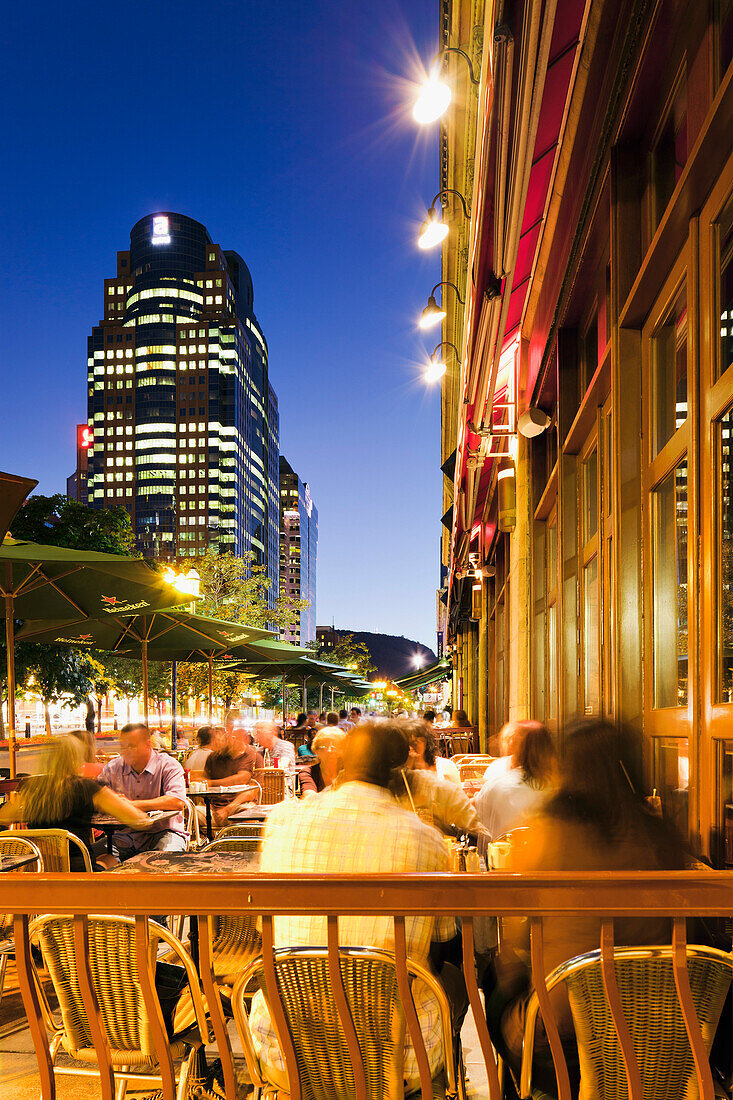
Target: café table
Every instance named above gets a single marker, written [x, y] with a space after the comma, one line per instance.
[211, 793]
[250, 813]
[110, 824]
[187, 863]
[14, 863]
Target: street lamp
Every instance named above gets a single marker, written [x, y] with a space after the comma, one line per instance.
[434, 313]
[436, 368]
[434, 230]
[435, 94]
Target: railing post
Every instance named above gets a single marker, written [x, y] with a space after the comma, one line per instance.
[546, 1010]
[413, 1024]
[32, 1006]
[692, 1024]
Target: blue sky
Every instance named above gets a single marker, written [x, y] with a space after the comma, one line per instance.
[285, 128]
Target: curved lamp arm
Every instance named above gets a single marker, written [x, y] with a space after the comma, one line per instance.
[448, 191]
[440, 56]
[446, 344]
[447, 283]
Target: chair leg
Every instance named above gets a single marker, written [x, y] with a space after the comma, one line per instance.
[121, 1087]
[3, 969]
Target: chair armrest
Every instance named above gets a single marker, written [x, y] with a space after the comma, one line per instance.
[74, 840]
[241, 1019]
[179, 951]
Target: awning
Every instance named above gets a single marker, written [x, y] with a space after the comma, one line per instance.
[441, 670]
[449, 466]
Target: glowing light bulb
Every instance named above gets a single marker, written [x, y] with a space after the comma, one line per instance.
[432, 314]
[435, 369]
[433, 99]
[432, 232]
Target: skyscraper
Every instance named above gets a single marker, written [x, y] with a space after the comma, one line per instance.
[184, 419]
[298, 551]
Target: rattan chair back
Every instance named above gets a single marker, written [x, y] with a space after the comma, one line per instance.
[55, 846]
[15, 844]
[646, 985]
[272, 782]
[460, 742]
[191, 824]
[324, 1066]
[116, 983]
[253, 831]
[249, 843]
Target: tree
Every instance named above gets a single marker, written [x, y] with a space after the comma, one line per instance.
[349, 653]
[60, 521]
[238, 589]
[58, 674]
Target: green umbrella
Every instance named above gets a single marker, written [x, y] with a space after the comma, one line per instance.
[54, 583]
[13, 491]
[163, 635]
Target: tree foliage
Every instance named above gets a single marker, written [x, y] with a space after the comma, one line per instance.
[238, 589]
[60, 521]
[349, 653]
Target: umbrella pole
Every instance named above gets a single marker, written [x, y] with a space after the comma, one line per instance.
[174, 693]
[331, 698]
[211, 689]
[305, 696]
[10, 651]
[285, 716]
[145, 679]
[320, 700]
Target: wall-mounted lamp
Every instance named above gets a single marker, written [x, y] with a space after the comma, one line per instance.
[434, 313]
[533, 421]
[436, 368]
[434, 230]
[507, 491]
[435, 95]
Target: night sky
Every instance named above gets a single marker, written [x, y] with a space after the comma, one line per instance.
[285, 128]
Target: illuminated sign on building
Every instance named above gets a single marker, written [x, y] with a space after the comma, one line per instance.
[160, 230]
[85, 436]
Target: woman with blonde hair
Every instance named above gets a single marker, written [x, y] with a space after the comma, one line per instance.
[60, 798]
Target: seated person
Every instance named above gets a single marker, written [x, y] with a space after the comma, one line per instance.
[278, 749]
[436, 800]
[509, 796]
[60, 798]
[424, 754]
[359, 827]
[328, 746]
[231, 764]
[153, 781]
[204, 745]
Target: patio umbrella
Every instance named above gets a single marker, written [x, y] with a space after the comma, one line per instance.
[13, 491]
[169, 635]
[54, 583]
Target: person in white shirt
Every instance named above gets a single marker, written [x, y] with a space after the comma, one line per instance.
[424, 754]
[279, 750]
[509, 797]
[196, 760]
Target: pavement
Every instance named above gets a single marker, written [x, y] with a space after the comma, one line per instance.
[19, 1078]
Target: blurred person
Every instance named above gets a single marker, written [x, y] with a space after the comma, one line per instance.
[429, 716]
[231, 764]
[332, 718]
[60, 798]
[344, 722]
[328, 746]
[355, 716]
[460, 721]
[438, 799]
[277, 748]
[510, 795]
[322, 718]
[424, 754]
[87, 745]
[359, 827]
[594, 821]
[204, 746]
[153, 781]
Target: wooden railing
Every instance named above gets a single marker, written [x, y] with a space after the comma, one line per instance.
[676, 895]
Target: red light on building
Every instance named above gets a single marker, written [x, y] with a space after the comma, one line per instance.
[84, 436]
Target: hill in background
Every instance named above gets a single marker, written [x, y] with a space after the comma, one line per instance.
[393, 656]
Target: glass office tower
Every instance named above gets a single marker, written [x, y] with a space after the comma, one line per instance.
[298, 551]
[184, 420]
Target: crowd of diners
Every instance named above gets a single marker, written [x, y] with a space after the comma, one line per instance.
[376, 796]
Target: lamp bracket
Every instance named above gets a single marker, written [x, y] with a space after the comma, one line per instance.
[440, 56]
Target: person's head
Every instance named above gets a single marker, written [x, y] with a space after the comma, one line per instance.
[48, 797]
[87, 745]
[460, 718]
[266, 734]
[423, 743]
[233, 718]
[311, 719]
[204, 738]
[342, 715]
[301, 719]
[373, 750]
[429, 716]
[355, 714]
[135, 746]
[328, 745]
[332, 718]
[533, 752]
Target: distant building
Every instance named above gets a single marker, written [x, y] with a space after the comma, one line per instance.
[298, 551]
[184, 420]
[76, 484]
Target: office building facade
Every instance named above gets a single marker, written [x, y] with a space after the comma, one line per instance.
[298, 551]
[183, 417]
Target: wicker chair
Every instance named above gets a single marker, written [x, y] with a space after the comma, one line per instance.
[469, 770]
[272, 784]
[235, 841]
[13, 844]
[472, 758]
[113, 965]
[459, 741]
[646, 985]
[254, 831]
[324, 1066]
[191, 825]
[55, 847]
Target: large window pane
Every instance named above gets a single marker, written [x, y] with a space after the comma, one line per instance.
[592, 694]
[670, 590]
[725, 600]
[552, 662]
[669, 372]
[590, 496]
[725, 289]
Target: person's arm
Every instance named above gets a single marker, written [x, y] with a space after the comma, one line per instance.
[107, 801]
[232, 780]
[307, 782]
[12, 811]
